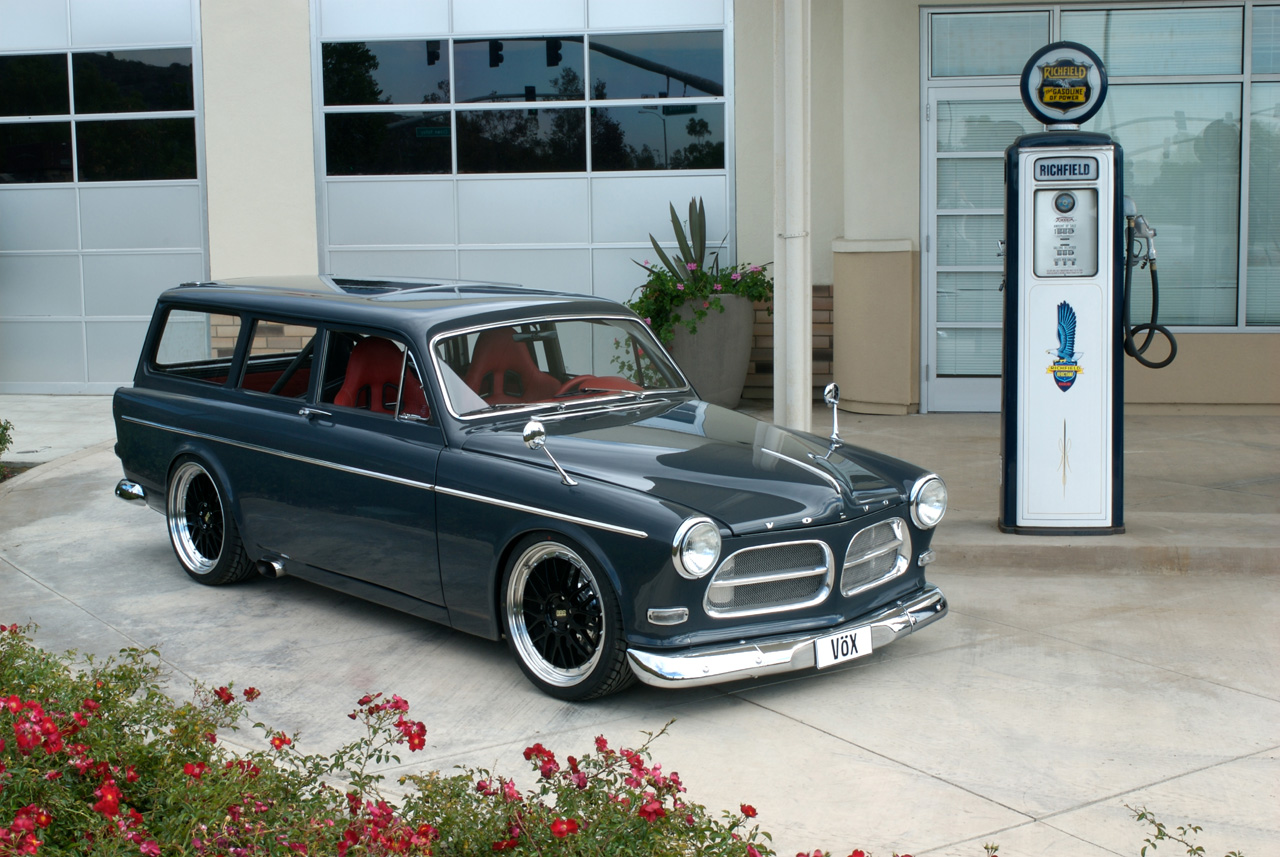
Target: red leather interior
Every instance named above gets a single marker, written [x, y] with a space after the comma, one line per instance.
[373, 380]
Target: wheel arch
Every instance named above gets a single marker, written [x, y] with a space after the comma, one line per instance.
[204, 453]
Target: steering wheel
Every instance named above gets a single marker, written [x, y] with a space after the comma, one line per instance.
[573, 384]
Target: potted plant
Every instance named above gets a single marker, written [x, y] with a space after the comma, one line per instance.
[702, 312]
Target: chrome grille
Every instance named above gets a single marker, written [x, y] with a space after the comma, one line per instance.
[876, 554]
[770, 578]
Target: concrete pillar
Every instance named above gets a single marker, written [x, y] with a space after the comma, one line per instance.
[793, 274]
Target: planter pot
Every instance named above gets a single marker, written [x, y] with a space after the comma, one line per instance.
[716, 358]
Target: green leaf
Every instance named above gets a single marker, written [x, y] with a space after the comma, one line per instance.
[681, 238]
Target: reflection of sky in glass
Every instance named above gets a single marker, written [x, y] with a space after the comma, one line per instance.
[524, 64]
[403, 73]
[1266, 40]
[699, 54]
[642, 130]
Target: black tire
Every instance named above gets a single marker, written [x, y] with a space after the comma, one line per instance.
[563, 621]
[203, 533]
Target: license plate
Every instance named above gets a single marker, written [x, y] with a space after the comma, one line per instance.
[845, 646]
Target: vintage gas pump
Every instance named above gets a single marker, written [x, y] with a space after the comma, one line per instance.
[1062, 433]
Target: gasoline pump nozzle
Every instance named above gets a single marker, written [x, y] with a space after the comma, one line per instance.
[1137, 229]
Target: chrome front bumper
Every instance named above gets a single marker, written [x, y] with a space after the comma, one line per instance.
[779, 654]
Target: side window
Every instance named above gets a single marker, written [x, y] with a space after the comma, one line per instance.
[373, 373]
[197, 345]
[281, 354]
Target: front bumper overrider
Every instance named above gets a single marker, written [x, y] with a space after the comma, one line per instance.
[780, 653]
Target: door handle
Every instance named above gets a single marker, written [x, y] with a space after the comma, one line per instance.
[313, 412]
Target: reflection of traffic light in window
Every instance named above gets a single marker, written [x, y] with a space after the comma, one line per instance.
[433, 52]
[495, 53]
[553, 52]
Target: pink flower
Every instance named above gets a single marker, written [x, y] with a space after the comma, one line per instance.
[648, 323]
[717, 287]
[679, 287]
[692, 266]
[735, 276]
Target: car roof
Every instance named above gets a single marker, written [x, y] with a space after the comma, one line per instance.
[413, 305]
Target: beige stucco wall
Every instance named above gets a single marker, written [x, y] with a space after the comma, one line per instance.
[753, 131]
[260, 159]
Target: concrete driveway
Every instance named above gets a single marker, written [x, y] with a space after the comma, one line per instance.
[1046, 700]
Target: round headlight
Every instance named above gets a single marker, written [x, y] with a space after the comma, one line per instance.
[928, 501]
[696, 549]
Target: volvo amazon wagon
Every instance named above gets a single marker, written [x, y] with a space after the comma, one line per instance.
[521, 464]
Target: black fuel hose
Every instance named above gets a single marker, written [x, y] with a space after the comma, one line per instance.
[1131, 347]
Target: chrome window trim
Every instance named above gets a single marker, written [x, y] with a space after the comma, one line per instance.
[822, 594]
[903, 550]
[463, 331]
[386, 477]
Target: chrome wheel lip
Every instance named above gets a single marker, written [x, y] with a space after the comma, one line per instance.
[519, 630]
[179, 528]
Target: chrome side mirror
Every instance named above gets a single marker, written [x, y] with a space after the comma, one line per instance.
[535, 437]
[831, 395]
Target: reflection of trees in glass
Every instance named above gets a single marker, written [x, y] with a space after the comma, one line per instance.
[348, 69]
[34, 85]
[514, 141]
[107, 83]
[701, 154]
[137, 150]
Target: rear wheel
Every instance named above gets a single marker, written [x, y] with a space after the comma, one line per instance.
[563, 621]
[202, 531]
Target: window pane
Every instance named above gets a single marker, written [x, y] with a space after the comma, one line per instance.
[547, 69]
[137, 150]
[969, 297]
[133, 81]
[1161, 41]
[35, 152]
[675, 136]
[1182, 169]
[281, 355]
[982, 126]
[657, 65]
[985, 43]
[34, 85]
[969, 239]
[197, 345]
[386, 72]
[1263, 301]
[1266, 40]
[370, 144]
[969, 352]
[522, 141]
[970, 183]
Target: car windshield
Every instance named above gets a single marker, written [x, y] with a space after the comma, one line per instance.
[550, 362]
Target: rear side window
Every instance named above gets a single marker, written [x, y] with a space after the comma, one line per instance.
[373, 373]
[198, 345]
[281, 354]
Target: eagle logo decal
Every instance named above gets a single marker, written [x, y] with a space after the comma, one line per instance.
[1065, 366]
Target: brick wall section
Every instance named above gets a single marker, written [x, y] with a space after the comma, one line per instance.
[759, 384]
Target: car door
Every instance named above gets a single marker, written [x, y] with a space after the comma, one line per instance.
[348, 485]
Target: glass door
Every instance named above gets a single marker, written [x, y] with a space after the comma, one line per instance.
[968, 129]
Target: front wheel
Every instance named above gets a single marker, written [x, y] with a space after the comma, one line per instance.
[563, 621]
[202, 531]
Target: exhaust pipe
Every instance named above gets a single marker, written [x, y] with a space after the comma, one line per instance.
[270, 567]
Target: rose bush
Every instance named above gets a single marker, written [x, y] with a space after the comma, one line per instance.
[97, 759]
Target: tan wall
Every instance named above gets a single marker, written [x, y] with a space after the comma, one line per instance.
[876, 312]
[260, 157]
[1212, 370]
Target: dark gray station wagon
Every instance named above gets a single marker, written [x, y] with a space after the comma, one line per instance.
[516, 463]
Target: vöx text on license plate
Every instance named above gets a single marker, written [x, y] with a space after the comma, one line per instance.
[845, 646]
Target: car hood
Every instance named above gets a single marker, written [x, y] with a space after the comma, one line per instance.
[750, 475]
